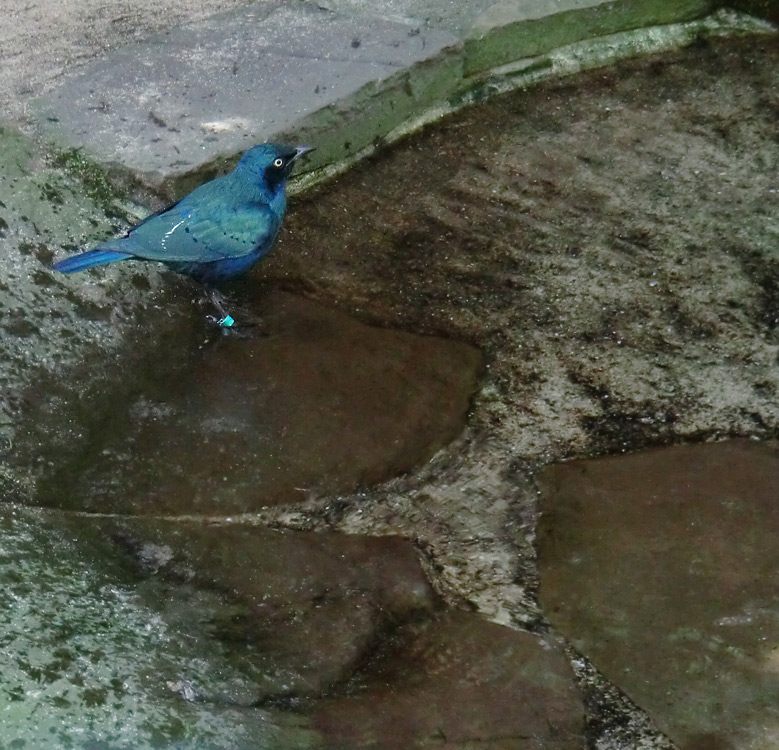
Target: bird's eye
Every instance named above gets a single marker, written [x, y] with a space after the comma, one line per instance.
[278, 163]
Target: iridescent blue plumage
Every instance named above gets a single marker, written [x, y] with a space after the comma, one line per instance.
[218, 231]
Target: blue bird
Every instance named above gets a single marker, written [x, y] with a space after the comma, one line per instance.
[218, 231]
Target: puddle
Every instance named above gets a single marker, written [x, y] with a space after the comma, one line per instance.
[310, 402]
[661, 567]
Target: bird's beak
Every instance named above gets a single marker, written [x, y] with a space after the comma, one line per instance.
[300, 150]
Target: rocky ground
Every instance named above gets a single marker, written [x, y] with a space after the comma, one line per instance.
[607, 242]
[610, 243]
[41, 43]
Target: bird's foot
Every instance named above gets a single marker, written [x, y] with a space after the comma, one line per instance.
[228, 326]
[218, 300]
[226, 321]
[223, 319]
[241, 331]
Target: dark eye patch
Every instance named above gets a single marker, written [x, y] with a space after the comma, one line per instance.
[274, 175]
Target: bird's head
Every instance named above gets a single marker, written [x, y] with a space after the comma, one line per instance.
[271, 163]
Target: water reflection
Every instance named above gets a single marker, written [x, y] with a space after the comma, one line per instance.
[311, 401]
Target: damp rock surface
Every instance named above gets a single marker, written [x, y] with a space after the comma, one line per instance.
[347, 632]
[62, 339]
[661, 567]
[309, 402]
[85, 663]
[458, 681]
[608, 242]
[300, 611]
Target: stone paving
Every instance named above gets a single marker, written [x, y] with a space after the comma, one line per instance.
[660, 567]
[160, 96]
[173, 108]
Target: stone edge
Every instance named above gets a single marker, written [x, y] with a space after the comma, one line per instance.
[501, 53]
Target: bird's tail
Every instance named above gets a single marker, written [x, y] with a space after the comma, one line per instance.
[89, 259]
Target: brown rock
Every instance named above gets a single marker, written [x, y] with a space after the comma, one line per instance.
[662, 568]
[311, 402]
[307, 606]
[459, 682]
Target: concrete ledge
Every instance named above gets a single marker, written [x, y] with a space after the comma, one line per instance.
[175, 110]
[510, 30]
[188, 101]
[558, 63]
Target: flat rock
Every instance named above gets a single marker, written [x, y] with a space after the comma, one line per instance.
[459, 682]
[50, 206]
[183, 102]
[85, 663]
[608, 240]
[350, 624]
[299, 611]
[309, 403]
[661, 568]
[455, 18]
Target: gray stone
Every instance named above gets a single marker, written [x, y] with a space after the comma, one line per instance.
[299, 612]
[41, 44]
[511, 30]
[453, 16]
[51, 204]
[186, 101]
[661, 568]
[85, 663]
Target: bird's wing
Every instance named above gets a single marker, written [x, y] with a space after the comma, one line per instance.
[202, 232]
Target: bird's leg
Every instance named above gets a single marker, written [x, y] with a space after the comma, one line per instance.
[225, 320]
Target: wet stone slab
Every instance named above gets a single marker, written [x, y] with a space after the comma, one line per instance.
[458, 681]
[310, 402]
[51, 204]
[297, 611]
[346, 631]
[662, 568]
[85, 663]
[140, 633]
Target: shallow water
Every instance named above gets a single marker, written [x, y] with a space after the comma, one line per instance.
[308, 402]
